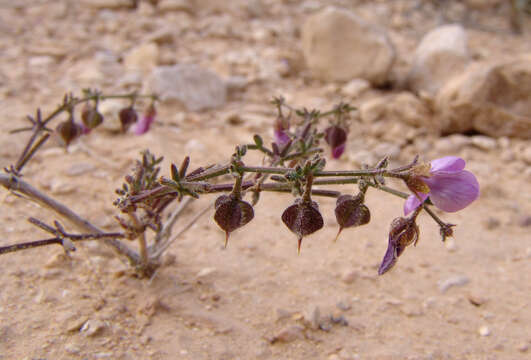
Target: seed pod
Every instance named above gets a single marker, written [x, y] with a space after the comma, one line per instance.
[303, 218]
[68, 131]
[403, 232]
[350, 211]
[232, 213]
[128, 117]
[91, 117]
[336, 137]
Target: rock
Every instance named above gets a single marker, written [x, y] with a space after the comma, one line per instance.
[484, 142]
[339, 46]
[288, 334]
[175, 5]
[41, 61]
[143, 57]
[312, 317]
[355, 88]
[441, 54]
[203, 273]
[72, 349]
[458, 280]
[452, 144]
[196, 88]
[349, 276]
[92, 328]
[373, 110]
[409, 109]
[492, 99]
[484, 330]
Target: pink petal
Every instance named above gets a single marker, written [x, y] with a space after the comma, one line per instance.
[389, 259]
[281, 138]
[453, 192]
[143, 125]
[337, 151]
[448, 164]
[413, 202]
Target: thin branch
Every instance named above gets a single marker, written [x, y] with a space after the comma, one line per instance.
[168, 226]
[17, 185]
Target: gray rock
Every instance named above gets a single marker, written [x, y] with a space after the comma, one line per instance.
[339, 46]
[196, 88]
[491, 98]
[441, 54]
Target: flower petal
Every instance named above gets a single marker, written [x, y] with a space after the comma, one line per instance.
[453, 192]
[337, 151]
[413, 202]
[389, 259]
[143, 125]
[448, 164]
[280, 137]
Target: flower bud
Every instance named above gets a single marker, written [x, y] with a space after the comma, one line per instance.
[68, 131]
[402, 233]
[144, 124]
[91, 117]
[336, 137]
[350, 212]
[303, 218]
[232, 213]
[128, 117]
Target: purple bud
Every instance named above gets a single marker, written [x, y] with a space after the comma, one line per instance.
[350, 212]
[91, 117]
[402, 233]
[303, 218]
[128, 117]
[336, 137]
[143, 125]
[232, 213]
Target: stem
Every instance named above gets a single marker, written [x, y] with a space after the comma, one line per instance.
[141, 239]
[16, 184]
[29, 245]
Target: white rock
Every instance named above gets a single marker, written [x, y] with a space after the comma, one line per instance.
[355, 88]
[442, 53]
[458, 280]
[492, 99]
[484, 330]
[196, 88]
[339, 46]
[205, 272]
[143, 57]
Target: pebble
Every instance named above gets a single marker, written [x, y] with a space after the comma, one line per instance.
[72, 349]
[203, 273]
[523, 347]
[458, 280]
[288, 334]
[484, 142]
[92, 328]
[349, 276]
[484, 330]
[312, 317]
[355, 88]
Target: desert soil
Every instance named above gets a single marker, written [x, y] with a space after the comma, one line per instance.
[256, 299]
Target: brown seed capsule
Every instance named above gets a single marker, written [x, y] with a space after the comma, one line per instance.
[336, 137]
[128, 117]
[303, 218]
[68, 131]
[350, 211]
[91, 117]
[232, 213]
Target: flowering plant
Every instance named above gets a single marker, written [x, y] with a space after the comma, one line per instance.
[294, 164]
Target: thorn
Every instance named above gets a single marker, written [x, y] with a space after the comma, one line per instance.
[226, 239]
[299, 246]
[339, 232]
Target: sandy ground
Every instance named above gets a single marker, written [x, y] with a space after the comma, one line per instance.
[256, 299]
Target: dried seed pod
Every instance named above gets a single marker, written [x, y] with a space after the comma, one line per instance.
[336, 137]
[68, 131]
[232, 213]
[350, 211]
[91, 117]
[128, 117]
[303, 218]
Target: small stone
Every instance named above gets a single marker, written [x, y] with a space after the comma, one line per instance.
[79, 168]
[523, 347]
[203, 273]
[450, 245]
[72, 349]
[476, 300]
[484, 142]
[288, 334]
[41, 61]
[458, 280]
[92, 328]
[349, 276]
[142, 57]
[484, 330]
[312, 317]
[354, 88]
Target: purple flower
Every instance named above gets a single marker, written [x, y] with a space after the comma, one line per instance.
[143, 125]
[336, 137]
[280, 132]
[451, 188]
[403, 232]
